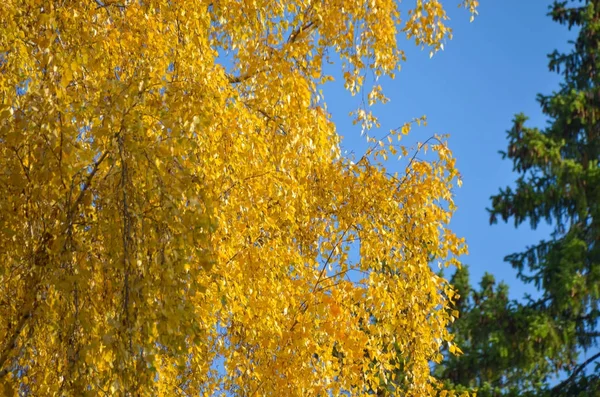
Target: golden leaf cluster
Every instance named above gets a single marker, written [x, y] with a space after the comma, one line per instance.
[176, 217]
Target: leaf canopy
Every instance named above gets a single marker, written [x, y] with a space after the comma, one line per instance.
[176, 216]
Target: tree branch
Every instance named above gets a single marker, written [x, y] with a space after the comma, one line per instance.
[580, 368]
[12, 340]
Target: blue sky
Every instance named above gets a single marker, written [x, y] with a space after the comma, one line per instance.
[492, 69]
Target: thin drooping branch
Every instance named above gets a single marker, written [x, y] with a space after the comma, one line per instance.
[126, 235]
[88, 181]
[293, 37]
[11, 342]
[25, 317]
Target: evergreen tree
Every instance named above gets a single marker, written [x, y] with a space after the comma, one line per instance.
[512, 348]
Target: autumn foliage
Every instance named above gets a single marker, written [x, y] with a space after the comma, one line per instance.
[176, 216]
